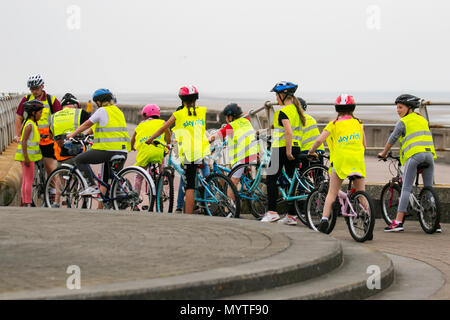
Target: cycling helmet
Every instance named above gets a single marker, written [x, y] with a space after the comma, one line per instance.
[285, 87]
[188, 93]
[35, 81]
[303, 103]
[345, 103]
[69, 99]
[102, 95]
[233, 109]
[32, 106]
[408, 100]
[151, 110]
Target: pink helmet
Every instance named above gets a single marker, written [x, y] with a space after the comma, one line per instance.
[151, 110]
[188, 91]
[345, 103]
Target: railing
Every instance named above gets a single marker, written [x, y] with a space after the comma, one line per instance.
[8, 107]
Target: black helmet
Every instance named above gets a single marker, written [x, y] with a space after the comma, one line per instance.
[32, 106]
[285, 87]
[303, 103]
[69, 99]
[408, 100]
[232, 109]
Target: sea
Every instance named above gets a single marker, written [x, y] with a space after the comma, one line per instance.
[438, 114]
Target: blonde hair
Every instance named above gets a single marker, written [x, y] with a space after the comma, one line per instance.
[297, 105]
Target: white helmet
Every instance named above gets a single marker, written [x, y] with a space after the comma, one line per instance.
[35, 81]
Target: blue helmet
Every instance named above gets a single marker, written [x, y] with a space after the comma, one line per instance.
[102, 95]
[285, 87]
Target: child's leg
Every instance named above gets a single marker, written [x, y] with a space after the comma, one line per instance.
[138, 181]
[360, 184]
[190, 171]
[27, 183]
[335, 185]
[180, 198]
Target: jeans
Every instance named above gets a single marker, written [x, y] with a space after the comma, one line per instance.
[180, 198]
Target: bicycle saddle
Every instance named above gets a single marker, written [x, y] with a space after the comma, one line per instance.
[354, 176]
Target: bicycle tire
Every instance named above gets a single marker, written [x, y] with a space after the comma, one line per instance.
[364, 219]
[425, 205]
[257, 207]
[68, 198]
[37, 196]
[222, 192]
[389, 202]
[134, 198]
[165, 178]
[314, 209]
[309, 179]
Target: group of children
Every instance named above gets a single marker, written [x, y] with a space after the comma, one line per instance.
[294, 132]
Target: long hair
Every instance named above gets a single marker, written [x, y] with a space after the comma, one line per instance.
[297, 105]
[189, 103]
[345, 113]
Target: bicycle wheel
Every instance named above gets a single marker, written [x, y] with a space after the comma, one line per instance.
[390, 199]
[311, 178]
[165, 192]
[314, 209]
[62, 190]
[361, 226]
[132, 190]
[430, 214]
[38, 184]
[258, 205]
[222, 198]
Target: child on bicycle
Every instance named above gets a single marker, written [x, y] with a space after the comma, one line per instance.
[347, 142]
[242, 144]
[286, 145]
[190, 132]
[416, 147]
[148, 154]
[28, 150]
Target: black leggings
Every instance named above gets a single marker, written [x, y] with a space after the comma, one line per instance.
[278, 160]
[93, 156]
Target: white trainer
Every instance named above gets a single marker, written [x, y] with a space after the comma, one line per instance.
[270, 216]
[90, 191]
[289, 220]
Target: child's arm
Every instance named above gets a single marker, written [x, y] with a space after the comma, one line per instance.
[321, 139]
[26, 136]
[86, 125]
[288, 137]
[165, 126]
[168, 136]
[133, 141]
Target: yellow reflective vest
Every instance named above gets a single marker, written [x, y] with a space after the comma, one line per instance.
[113, 136]
[278, 139]
[310, 134]
[346, 147]
[33, 149]
[190, 132]
[243, 143]
[44, 121]
[148, 153]
[66, 120]
[417, 138]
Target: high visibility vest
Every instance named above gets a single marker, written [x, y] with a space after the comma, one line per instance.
[418, 137]
[33, 149]
[243, 143]
[148, 153]
[113, 136]
[190, 132]
[278, 139]
[66, 120]
[310, 134]
[44, 122]
[346, 147]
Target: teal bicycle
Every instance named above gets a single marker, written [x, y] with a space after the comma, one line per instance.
[253, 188]
[215, 194]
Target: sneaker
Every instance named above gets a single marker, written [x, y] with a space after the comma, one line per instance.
[323, 226]
[55, 205]
[270, 216]
[394, 227]
[179, 210]
[289, 220]
[439, 230]
[90, 191]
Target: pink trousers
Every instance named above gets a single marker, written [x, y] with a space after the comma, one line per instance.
[27, 182]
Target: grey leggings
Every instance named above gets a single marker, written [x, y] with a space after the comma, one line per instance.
[409, 176]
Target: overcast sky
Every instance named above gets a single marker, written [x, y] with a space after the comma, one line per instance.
[226, 46]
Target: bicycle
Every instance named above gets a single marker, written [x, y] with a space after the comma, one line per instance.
[356, 207]
[253, 183]
[424, 203]
[164, 181]
[38, 184]
[212, 193]
[124, 192]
